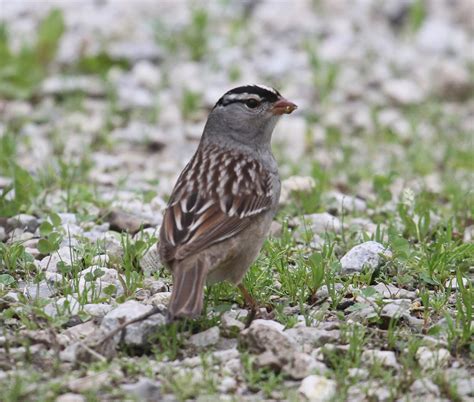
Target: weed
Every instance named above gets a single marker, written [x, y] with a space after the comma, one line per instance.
[21, 72]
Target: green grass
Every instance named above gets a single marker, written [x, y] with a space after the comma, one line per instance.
[21, 72]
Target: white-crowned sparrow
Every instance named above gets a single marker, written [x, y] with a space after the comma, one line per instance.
[223, 203]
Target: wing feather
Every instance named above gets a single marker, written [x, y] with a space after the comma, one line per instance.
[209, 205]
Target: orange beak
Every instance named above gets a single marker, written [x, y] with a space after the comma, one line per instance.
[282, 106]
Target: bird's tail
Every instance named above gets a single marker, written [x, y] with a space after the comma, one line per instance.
[188, 289]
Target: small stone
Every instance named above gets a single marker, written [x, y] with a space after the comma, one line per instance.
[100, 259]
[135, 334]
[403, 92]
[67, 218]
[276, 229]
[70, 397]
[313, 336]
[205, 339]
[436, 35]
[341, 203]
[144, 389]
[468, 236]
[11, 297]
[64, 305]
[26, 222]
[134, 51]
[60, 85]
[159, 299]
[97, 281]
[98, 310]
[396, 309]
[42, 290]
[155, 286]
[366, 255]
[428, 359]
[358, 373]
[146, 74]
[384, 358]
[126, 221]
[90, 382]
[18, 235]
[392, 292]
[424, 387]
[230, 326]
[316, 388]
[79, 332]
[265, 335]
[227, 385]
[3, 234]
[453, 283]
[64, 255]
[321, 223]
[295, 184]
[452, 81]
[302, 365]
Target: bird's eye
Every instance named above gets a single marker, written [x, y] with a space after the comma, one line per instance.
[252, 103]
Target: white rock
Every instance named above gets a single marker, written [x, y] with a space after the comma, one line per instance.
[390, 291]
[89, 382]
[205, 339]
[50, 262]
[135, 334]
[428, 359]
[424, 386]
[41, 290]
[263, 335]
[436, 35]
[468, 236]
[292, 134]
[134, 51]
[403, 92]
[159, 299]
[384, 358]
[144, 389]
[227, 385]
[344, 203]
[59, 85]
[302, 365]
[97, 310]
[64, 305]
[451, 80]
[230, 326]
[453, 283]
[70, 397]
[3, 234]
[396, 309]
[321, 223]
[100, 259]
[26, 222]
[369, 254]
[104, 277]
[67, 218]
[297, 184]
[146, 74]
[313, 336]
[316, 388]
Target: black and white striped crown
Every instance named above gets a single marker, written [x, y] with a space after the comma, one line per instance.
[260, 93]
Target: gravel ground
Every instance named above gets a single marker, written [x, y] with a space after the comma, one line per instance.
[365, 286]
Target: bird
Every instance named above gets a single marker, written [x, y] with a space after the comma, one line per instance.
[222, 205]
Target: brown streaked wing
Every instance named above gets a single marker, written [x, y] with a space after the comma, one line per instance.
[210, 207]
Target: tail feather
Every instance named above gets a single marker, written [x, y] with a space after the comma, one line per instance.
[188, 289]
